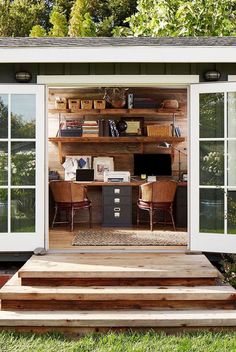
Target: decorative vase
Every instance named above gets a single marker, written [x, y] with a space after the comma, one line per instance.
[118, 103]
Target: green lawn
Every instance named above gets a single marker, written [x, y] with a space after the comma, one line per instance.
[111, 342]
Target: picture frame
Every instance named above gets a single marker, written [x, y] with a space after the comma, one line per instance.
[101, 164]
[134, 126]
[74, 162]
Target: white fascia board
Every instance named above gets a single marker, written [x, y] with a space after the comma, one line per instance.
[232, 78]
[117, 80]
[118, 54]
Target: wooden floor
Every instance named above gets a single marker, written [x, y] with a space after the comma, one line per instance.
[60, 238]
[85, 292]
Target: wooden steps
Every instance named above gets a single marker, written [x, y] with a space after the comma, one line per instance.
[82, 291]
[118, 319]
[133, 268]
[17, 297]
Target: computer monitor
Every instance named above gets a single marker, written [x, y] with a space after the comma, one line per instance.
[152, 164]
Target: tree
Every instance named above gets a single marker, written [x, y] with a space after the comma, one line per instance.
[5, 18]
[181, 18]
[65, 6]
[110, 13]
[38, 31]
[59, 23]
[81, 23]
[23, 15]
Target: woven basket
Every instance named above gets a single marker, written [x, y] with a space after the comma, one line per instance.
[74, 104]
[159, 130]
[86, 104]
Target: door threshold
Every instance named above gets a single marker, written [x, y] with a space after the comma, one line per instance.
[124, 249]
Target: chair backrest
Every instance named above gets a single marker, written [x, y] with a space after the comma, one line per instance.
[159, 191]
[67, 192]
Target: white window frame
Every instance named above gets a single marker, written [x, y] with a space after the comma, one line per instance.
[208, 242]
[17, 242]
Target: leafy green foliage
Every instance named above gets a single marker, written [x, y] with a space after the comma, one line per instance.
[81, 23]
[181, 18]
[38, 31]
[229, 267]
[59, 23]
[19, 16]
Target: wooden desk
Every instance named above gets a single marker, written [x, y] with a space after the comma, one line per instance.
[120, 184]
[95, 194]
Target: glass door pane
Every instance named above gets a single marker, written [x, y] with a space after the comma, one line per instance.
[213, 167]
[21, 167]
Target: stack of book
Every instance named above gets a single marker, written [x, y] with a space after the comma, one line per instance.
[90, 129]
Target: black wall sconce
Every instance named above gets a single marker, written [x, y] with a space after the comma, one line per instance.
[23, 76]
[212, 75]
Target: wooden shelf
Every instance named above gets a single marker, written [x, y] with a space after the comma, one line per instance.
[123, 112]
[133, 139]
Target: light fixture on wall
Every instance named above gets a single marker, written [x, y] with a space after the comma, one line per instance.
[168, 145]
[212, 75]
[23, 76]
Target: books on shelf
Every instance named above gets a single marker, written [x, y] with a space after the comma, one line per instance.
[108, 128]
[177, 131]
[90, 129]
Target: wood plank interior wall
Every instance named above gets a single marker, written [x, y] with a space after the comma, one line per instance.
[122, 153]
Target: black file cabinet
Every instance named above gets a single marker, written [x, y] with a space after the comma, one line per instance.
[181, 207]
[117, 206]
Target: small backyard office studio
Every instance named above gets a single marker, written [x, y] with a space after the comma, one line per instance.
[41, 78]
[126, 124]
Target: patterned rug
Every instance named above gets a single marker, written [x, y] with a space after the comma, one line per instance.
[124, 237]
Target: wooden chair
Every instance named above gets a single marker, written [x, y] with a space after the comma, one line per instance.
[157, 196]
[69, 197]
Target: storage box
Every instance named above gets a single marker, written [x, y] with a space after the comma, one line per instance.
[159, 130]
[74, 132]
[86, 104]
[74, 104]
[60, 103]
[99, 104]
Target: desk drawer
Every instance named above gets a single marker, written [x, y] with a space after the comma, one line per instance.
[118, 190]
[117, 216]
[117, 200]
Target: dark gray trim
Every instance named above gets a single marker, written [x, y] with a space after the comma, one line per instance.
[113, 42]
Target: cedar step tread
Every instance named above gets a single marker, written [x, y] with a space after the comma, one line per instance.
[112, 293]
[124, 265]
[115, 318]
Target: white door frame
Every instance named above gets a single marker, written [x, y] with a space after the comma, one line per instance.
[209, 242]
[23, 242]
[164, 81]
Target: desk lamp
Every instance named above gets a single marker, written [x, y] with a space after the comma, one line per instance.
[168, 145]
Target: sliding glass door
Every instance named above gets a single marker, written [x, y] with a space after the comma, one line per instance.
[21, 167]
[213, 167]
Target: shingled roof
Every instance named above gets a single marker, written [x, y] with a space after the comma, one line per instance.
[114, 42]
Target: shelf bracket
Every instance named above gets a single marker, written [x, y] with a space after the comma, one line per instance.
[59, 144]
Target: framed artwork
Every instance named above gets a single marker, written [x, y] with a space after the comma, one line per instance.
[101, 164]
[72, 163]
[134, 126]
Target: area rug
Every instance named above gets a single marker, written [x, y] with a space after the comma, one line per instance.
[124, 237]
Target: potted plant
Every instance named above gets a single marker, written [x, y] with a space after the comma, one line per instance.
[116, 96]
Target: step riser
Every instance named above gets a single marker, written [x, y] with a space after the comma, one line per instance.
[41, 305]
[79, 332]
[56, 282]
